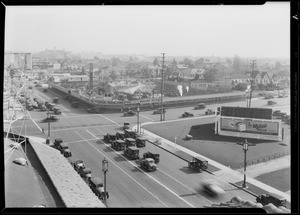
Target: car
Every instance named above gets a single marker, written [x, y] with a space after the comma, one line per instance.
[209, 112]
[212, 188]
[129, 113]
[187, 114]
[200, 106]
[158, 111]
[271, 103]
[22, 161]
[51, 118]
[97, 187]
[148, 164]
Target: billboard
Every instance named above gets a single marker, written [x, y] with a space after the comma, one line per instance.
[249, 128]
[249, 125]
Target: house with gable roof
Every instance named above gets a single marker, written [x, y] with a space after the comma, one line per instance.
[265, 79]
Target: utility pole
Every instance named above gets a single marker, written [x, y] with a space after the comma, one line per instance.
[138, 117]
[162, 116]
[91, 76]
[253, 62]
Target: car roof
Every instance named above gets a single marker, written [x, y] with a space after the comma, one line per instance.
[87, 169]
[120, 141]
[150, 159]
[79, 161]
[96, 180]
[64, 144]
[133, 148]
[130, 139]
[141, 138]
[121, 132]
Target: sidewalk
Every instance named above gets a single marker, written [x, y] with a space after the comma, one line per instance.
[225, 173]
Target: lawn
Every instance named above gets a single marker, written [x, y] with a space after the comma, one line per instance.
[222, 149]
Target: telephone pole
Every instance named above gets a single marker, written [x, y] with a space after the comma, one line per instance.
[253, 62]
[162, 115]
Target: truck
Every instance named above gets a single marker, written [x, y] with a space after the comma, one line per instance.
[140, 142]
[132, 153]
[154, 156]
[118, 145]
[126, 125]
[198, 164]
[148, 164]
[273, 198]
[109, 138]
[130, 133]
[120, 135]
[130, 142]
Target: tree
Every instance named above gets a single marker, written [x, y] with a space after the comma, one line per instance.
[187, 62]
[236, 64]
[155, 62]
[115, 61]
[210, 75]
[174, 63]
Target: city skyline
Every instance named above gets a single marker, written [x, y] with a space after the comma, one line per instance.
[223, 31]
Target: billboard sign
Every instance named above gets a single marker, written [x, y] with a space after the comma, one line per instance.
[255, 126]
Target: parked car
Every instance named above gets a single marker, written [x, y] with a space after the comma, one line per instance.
[120, 135]
[109, 138]
[198, 164]
[271, 103]
[126, 125]
[96, 185]
[21, 161]
[130, 142]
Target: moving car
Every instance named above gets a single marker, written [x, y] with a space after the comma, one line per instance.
[148, 164]
[154, 156]
[187, 114]
[212, 188]
[158, 111]
[129, 113]
[200, 106]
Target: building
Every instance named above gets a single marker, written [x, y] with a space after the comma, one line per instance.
[265, 79]
[192, 74]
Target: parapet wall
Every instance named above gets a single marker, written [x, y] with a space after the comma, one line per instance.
[70, 187]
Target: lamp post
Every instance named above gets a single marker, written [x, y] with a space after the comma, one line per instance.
[104, 170]
[245, 148]
[48, 138]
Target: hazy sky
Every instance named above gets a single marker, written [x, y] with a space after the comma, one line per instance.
[260, 31]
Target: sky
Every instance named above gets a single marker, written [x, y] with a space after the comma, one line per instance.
[225, 31]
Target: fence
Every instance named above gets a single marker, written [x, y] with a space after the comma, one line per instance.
[264, 159]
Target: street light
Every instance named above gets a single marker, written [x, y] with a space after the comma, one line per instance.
[48, 117]
[138, 117]
[104, 170]
[245, 148]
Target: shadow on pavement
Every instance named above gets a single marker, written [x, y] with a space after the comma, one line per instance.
[119, 159]
[188, 171]
[107, 149]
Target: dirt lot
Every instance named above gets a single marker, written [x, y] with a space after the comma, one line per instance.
[222, 149]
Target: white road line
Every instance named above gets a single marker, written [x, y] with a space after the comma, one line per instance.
[146, 173]
[100, 131]
[78, 141]
[35, 124]
[147, 117]
[109, 119]
[122, 170]
[79, 127]
[183, 184]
